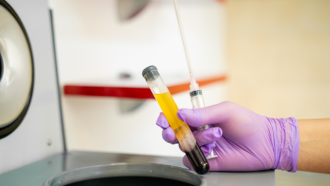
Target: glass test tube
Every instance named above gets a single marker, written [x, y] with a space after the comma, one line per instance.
[181, 129]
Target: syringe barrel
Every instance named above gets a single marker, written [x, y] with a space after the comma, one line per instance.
[197, 101]
[182, 131]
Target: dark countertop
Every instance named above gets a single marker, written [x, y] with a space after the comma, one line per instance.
[37, 173]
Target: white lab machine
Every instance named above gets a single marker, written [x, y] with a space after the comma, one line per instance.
[30, 116]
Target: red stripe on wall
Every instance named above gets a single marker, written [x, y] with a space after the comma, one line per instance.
[130, 92]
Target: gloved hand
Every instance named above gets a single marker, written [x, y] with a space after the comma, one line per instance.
[244, 140]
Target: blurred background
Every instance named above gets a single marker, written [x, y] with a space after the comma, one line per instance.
[275, 55]
[278, 56]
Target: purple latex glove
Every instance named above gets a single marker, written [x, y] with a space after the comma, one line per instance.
[244, 140]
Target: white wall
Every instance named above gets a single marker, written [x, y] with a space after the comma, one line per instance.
[93, 47]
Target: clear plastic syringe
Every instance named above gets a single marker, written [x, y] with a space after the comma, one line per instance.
[196, 94]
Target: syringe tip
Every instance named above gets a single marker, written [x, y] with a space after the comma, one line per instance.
[193, 84]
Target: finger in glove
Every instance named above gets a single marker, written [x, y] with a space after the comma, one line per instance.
[169, 136]
[162, 121]
[207, 136]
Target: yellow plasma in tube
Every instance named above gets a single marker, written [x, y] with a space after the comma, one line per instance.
[180, 128]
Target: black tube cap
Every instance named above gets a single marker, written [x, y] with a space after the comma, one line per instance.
[148, 69]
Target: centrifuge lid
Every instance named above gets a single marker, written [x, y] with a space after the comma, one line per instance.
[16, 70]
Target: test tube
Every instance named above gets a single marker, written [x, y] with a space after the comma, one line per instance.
[182, 131]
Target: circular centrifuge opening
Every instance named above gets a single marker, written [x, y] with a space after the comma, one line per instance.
[1, 67]
[16, 70]
[130, 181]
[127, 174]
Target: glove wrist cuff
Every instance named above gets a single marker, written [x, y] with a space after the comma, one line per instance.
[286, 143]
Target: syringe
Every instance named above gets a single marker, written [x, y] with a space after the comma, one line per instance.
[196, 95]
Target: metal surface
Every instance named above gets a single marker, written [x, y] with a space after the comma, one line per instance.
[36, 174]
[27, 143]
[146, 170]
[204, 127]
